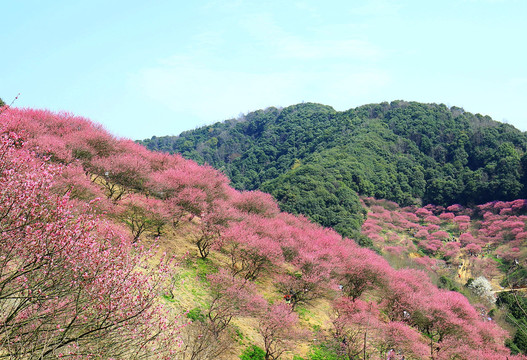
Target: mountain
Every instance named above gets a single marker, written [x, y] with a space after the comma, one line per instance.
[109, 250]
[315, 160]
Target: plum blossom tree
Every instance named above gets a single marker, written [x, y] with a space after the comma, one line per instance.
[120, 173]
[441, 235]
[466, 238]
[230, 296]
[249, 253]
[431, 246]
[404, 339]
[421, 234]
[305, 285]
[69, 282]
[73, 181]
[455, 208]
[209, 336]
[360, 269]
[404, 295]
[423, 213]
[187, 188]
[53, 147]
[143, 215]
[184, 174]
[452, 326]
[211, 227]
[447, 216]
[354, 327]
[451, 250]
[473, 249]
[432, 219]
[462, 221]
[278, 327]
[255, 202]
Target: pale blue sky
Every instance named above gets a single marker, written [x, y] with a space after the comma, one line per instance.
[144, 68]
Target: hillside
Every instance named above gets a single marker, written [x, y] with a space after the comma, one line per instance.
[480, 252]
[315, 160]
[112, 251]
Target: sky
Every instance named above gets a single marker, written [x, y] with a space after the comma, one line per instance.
[144, 68]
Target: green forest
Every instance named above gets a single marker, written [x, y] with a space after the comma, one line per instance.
[316, 161]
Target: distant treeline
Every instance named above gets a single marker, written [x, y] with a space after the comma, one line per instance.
[315, 160]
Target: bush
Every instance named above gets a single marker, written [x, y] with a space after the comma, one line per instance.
[195, 314]
[323, 352]
[253, 352]
[446, 283]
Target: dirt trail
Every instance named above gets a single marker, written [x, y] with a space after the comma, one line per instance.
[507, 290]
[463, 271]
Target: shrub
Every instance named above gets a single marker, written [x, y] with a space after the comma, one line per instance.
[253, 352]
[323, 352]
[195, 314]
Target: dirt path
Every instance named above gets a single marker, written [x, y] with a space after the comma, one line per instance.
[507, 290]
[463, 272]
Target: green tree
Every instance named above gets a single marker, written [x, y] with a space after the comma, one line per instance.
[313, 158]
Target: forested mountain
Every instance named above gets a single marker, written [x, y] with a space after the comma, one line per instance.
[315, 160]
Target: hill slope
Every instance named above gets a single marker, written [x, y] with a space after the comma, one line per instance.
[250, 275]
[314, 160]
[480, 252]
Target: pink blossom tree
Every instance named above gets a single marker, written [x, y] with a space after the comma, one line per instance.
[466, 238]
[249, 253]
[73, 181]
[423, 213]
[305, 285]
[211, 226]
[230, 297]
[360, 269]
[120, 173]
[473, 249]
[184, 174]
[354, 328]
[447, 216]
[255, 202]
[143, 215]
[67, 278]
[278, 327]
[405, 339]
